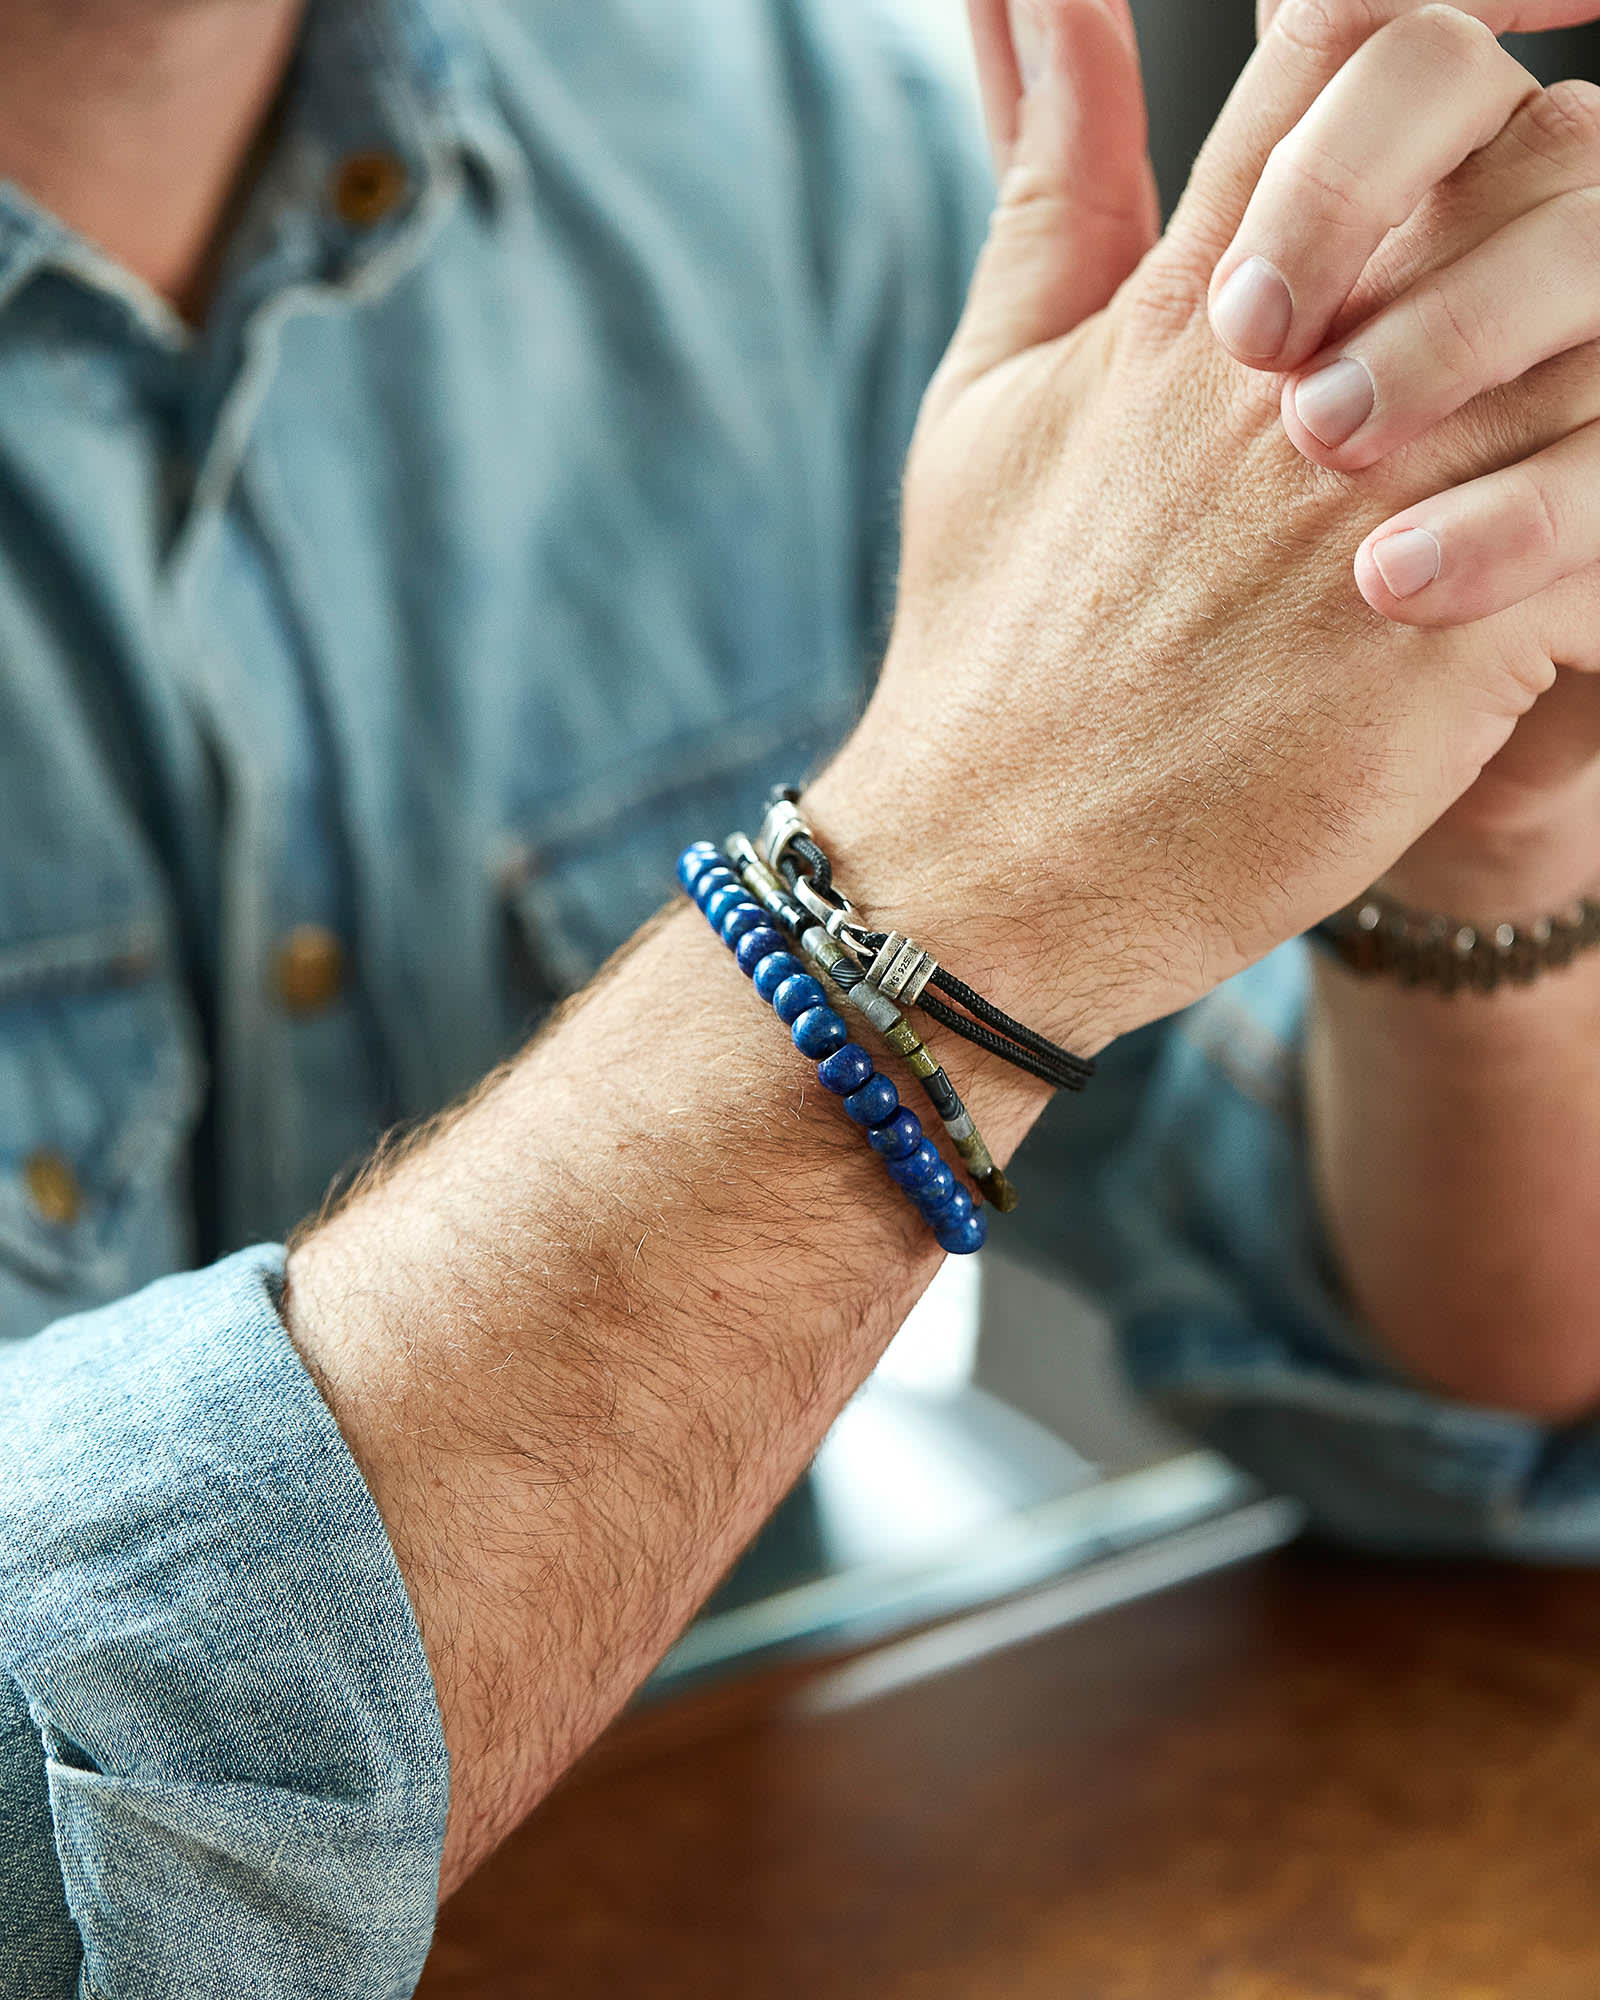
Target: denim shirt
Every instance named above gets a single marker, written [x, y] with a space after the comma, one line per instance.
[525, 509]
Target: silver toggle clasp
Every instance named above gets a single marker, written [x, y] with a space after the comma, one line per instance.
[837, 915]
[783, 824]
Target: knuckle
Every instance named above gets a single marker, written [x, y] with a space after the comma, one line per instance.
[1316, 26]
[1579, 211]
[1563, 122]
[1330, 28]
[1446, 35]
[1455, 335]
[1169, 293]
[1533, 524]
[1333, 187]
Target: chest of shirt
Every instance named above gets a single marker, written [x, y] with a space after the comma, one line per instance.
[519, 578]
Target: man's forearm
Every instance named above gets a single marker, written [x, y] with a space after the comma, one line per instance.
[583, 1339]
[1457, 1147]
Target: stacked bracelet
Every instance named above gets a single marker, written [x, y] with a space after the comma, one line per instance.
[901, 1039]
[898, 967]
[800, 1001]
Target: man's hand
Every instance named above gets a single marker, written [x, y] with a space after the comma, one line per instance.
[1432, 218]
[1479, 211]
[1129, 648]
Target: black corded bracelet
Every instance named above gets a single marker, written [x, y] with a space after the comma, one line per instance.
[896, 966]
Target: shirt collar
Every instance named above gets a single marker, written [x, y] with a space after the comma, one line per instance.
[401, 82]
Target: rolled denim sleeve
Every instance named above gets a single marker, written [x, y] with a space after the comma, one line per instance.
[216, 1715]
[1183, 1199]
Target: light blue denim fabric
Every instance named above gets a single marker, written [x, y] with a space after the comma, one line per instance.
[472, 563]
[246, 1771]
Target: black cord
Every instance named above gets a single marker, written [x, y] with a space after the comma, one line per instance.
[1074, 1071]
[817, 865]
[1063, 1072]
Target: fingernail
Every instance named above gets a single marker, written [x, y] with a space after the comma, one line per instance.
[1027, 38]
[1253, 310]
[1407, 562]
[1334, 403]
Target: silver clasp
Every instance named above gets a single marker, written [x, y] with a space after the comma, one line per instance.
[783, 823]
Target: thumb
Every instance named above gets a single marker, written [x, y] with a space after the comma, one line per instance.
[1077, 207]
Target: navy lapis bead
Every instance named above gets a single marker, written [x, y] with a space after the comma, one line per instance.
[934, 1193]
[944, 1215]
[897, 1139]
[756, 945]
[962, 1239]
[694, 861]
[914, 1172]
[875, 1103]
[798, 996]
[709, 882]
[729, 897]
[742, 918]
[819, 1032]
[846, 1070]
[770, 974]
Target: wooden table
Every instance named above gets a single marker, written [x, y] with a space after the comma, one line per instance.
[1312, 1778]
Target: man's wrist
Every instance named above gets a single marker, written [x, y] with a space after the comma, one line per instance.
[968, 890]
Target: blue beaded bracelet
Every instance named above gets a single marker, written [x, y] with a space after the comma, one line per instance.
[844, 1069]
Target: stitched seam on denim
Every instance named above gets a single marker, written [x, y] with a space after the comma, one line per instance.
[8, 1668]
[145, 1126]
[120, 954]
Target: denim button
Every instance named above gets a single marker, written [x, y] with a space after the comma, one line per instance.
[53, 1189]
[367, 187]
[308, 970]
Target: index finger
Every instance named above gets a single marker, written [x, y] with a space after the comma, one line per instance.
[1413, 102]
[1304, 47]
